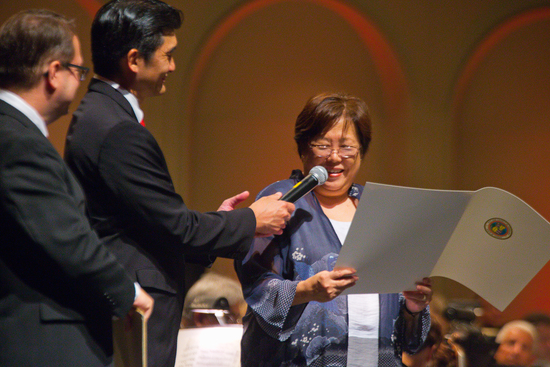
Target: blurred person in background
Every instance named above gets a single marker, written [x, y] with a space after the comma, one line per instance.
[424, 357]
[517, 340]
[214, 300]
[211, 330]
[541, 321]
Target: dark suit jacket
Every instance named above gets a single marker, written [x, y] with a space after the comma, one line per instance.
[58, 284]
[133, 206]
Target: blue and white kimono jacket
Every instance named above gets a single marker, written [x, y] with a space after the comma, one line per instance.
[312, 334]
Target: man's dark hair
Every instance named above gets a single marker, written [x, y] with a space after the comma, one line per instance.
[122, 25]
[29, 40]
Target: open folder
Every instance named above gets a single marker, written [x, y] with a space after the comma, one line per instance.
[488, 240]
[130, 341]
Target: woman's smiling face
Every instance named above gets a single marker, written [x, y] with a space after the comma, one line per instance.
[341, 171]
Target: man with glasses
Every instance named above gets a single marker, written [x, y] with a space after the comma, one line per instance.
[59, 287]
[132, 201]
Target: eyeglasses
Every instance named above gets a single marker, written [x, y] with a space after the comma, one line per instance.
[324, 151]
[81, 72]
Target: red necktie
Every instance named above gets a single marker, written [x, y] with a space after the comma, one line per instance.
[142, 123]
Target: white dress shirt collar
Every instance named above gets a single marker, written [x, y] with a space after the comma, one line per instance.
[129, 96]
[26, 109]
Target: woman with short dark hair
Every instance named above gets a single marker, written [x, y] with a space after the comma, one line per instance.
[296, 316]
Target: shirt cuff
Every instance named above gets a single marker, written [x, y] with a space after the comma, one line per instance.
[138, 290]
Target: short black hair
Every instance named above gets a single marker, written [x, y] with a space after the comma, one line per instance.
[29, 40]
[122, 25]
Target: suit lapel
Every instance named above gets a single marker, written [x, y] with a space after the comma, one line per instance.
[8, 110]
[100, 86]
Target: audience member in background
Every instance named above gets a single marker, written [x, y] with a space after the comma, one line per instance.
[517, 340]
[211, 331]
[541, 321]
[437, 312]
[445, 355]
[212, 301]
[425, 355]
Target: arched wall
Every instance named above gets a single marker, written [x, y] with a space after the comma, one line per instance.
[270, 57]
[458, 90]
[501, 115]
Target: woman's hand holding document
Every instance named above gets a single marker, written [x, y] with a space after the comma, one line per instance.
[488, 240]
[417, 300]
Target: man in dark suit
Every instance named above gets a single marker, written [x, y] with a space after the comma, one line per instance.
[59, 287]
[131, 198]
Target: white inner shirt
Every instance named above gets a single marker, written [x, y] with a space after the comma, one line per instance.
[363, 312]
[26, 109]
[129, 97]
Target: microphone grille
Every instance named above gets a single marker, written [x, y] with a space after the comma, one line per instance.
[320, 173]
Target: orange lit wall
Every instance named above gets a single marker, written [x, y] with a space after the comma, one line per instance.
[459, 92]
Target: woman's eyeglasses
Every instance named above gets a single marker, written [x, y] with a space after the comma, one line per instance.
[324, 151]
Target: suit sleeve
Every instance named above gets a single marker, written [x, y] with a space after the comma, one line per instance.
[268, 288]
[134, 169]
[37, 198]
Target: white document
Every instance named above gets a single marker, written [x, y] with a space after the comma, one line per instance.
[217, 346]
[488, 240]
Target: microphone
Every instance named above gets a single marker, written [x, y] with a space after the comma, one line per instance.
[317, 176]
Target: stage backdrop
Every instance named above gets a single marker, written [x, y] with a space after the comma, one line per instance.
[458, 91]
